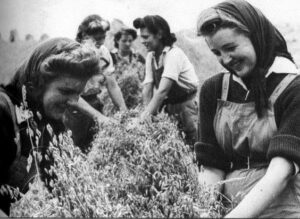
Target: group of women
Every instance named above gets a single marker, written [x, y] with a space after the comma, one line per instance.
[248, 122]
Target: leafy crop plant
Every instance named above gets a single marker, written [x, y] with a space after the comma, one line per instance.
[132, 170]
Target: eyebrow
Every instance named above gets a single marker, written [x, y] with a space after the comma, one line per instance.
[228, 44]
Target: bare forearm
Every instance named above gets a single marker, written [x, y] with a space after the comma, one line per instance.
[115, 93]
[147, 94]
[265, 191]
[156, 102]
[84, 107]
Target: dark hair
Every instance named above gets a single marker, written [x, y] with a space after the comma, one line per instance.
[50, 60]
[124, 31]
[156, 24]
[210, 28]
[91, 25]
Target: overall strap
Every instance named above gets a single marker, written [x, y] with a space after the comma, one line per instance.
[281, 87]
[225, 86]
[13, 115]
[156, 73]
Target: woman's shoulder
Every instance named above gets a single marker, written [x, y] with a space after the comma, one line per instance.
[212, 87]
[292, 90]
[175, 50]
[214, 81]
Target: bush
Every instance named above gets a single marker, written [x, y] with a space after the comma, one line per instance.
[132, 170]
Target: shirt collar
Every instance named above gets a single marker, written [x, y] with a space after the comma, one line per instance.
[161, 57]
[280, 65]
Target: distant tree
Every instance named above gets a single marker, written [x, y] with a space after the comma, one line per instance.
[44, 37]
[13, 36]
[29, 37]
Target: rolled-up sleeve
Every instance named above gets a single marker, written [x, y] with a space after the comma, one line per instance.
[149, 73]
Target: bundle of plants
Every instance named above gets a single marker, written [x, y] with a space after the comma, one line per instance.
[131, 89]
[133, 170]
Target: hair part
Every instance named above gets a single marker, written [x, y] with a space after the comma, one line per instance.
[156, 24]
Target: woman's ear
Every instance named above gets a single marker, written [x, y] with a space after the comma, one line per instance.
[159, 35]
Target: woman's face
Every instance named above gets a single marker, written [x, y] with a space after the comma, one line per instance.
[233, 50]
[97, 39]
[151, 41]
[58, 93]
[125, 42]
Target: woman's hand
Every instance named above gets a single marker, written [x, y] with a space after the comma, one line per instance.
[209, 178]
[266, 190]
[145, 116]
[84, 107]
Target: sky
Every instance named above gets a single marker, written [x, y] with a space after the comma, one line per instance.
[62, 17]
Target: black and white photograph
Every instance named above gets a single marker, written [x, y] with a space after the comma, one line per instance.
[149, 108]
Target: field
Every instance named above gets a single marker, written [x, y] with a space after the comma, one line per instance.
[132, 170]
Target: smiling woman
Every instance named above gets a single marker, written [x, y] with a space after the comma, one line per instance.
[233, 50]
[249, 115]
[38, 95]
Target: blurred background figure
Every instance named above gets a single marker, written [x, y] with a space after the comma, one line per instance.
[129, 67]
[125, 58]
[83, 114]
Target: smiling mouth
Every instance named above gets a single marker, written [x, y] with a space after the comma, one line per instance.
[235, 65]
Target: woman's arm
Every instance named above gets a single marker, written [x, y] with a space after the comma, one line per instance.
[157, 99]
[84, 107]
[210, 178]
[266, 190]
[147, 93]
[115, 93]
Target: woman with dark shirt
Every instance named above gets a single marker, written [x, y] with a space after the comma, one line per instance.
[249, 116]
[33, 105]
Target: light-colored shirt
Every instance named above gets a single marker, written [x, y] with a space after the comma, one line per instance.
[107, 68]
[177, 67]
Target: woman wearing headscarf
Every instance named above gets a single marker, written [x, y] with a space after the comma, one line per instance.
[170, 80]
[32, 109]
[249, 116]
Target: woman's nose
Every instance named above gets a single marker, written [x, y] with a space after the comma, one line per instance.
[73, 98]
[143, 41]
[225, 59]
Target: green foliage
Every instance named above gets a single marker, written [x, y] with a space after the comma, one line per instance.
[132, 170]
